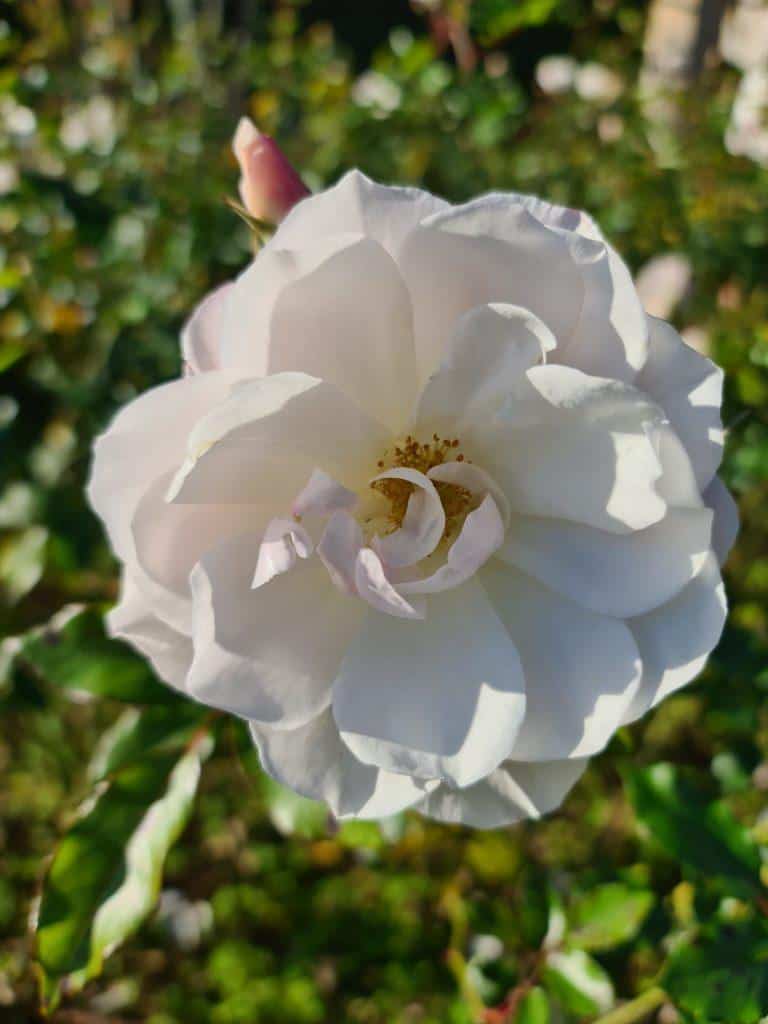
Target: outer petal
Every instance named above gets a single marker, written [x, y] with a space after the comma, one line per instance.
[489, 250]
[513, 792]
[168, 651]
[582, 670]
[489, 350]
[349, 322]
[270, 435]
[676, 639]
[442, 698]
[313, 761]
[357, 204]
[269, 654]
[169, 539]
[610, 337]
[611, 574]
[725, 527]
[579, 448]
[203, 333]
[689, 388]
[150, 431]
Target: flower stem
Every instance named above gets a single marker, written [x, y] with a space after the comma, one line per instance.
[636, 1009]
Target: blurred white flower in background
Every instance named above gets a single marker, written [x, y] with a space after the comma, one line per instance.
[662, 282]
[556, 74]
[92, 125]
[372, 89]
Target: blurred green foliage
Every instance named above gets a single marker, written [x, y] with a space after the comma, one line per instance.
[114, 167]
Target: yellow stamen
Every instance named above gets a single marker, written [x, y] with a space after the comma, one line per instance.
[412, 454]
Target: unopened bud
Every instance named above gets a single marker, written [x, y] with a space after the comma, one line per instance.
[269, 186]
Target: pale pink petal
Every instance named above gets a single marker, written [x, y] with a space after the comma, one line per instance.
[202, 334]
[339, 547]
[322, 495]
[372, 585]
[283, 542]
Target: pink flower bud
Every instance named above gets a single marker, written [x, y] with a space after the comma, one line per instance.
[269, 186]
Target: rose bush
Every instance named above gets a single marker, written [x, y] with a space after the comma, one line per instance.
[434, 507]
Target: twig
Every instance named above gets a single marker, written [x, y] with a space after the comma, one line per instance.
[637, 1009]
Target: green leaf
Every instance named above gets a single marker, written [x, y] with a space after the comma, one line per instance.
[534, 1008]
[78, 655]
[138, 732]
[493, 20]
[294, 815]
[725, 979]
[578, 982]
[702, 835]
[105, 876]
[607, 916]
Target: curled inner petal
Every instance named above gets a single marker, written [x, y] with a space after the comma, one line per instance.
[481, 535]
[422, 526]
[374, 587]
[322, 495]
[283, 542]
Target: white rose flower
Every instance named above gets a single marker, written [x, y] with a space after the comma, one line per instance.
[434, 509]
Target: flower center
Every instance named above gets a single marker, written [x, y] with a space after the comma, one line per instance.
[457, 501]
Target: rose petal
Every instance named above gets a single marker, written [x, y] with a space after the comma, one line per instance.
[269, 654]
[283, 542]
[578, 448]
[488, 250]
[203, 333]
[339, 547]
[348, 321]
[481, 535]
[442, 698]
[609, 573]
[168, 539]
[513, 792]
[322, 495]
[490, 348]
[423, 524]
[372, 585]
[267, 438]
[475, 480]
[610, 337]
[168, 651]
[676, 639]
[582, 670]
[152, 428]
[357, 204]
[689, 388]
[725, 527]
[313, 761]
